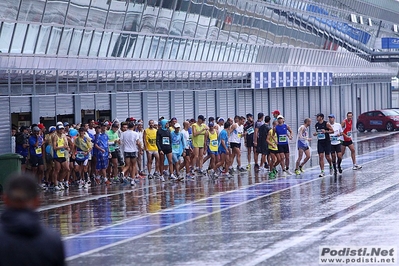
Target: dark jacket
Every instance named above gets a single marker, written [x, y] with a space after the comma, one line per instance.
[25, 241]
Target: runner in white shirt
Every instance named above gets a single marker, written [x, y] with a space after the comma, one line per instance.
[187, 150]
[336, 137]
[131, 147]
[236, 133]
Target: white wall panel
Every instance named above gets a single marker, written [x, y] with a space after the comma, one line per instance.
[335, 103]
[246, 102]
[314, 101]
[152, 110]
[164, 104]
[303, 104]
[87, 101]
[178, 105]
[188, 105]
[325, 102]
[102, 102]
[276, 100]
[122, 106]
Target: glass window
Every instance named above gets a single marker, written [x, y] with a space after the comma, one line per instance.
[55, 12]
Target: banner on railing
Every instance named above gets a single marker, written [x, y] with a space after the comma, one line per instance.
[265, 80]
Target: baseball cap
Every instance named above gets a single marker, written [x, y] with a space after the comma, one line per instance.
[211, 124]
[59, 124]
[66, 124]
[320, 114]
[51, 129]
[156, 123]
[280, 116]
[41, 126]
[60, 127]
[177, 125]
[276, 112]
[201, 117]
[220, 119]
[36, 129]
[260, 115]
[332, 116]
[103, 124]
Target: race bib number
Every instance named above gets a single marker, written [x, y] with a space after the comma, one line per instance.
[80, 155]
[282, 138]
[214, 143]
[334, 138]
[152, 141]
[111, 144]
[175, 146]
[321, 136]
[250, 130]
[239, 134]
[165, 141]
[38, 150]
[61, 153]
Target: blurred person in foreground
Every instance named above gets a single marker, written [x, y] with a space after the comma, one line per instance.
[24, 240]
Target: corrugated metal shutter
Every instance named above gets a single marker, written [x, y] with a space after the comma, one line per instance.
[362, 89]
[135, 105]
[231, 103]
[222, 104]
[346, 97]
[122, 106]
[244, 102]
[152, 99]
[47, 106]
[261, 102]
[20, 104]
[164, 104]
[5, 137]
[371, 96]
[64, 105]
[188, 105]
[325, 101]
[103, 102]
[276, 100]
[210, 104]
[87, 101]
[178, 104]
[303, 103]
[378, 96]
[335, 105]
[201, 101]
[314, 101]
[290, 108]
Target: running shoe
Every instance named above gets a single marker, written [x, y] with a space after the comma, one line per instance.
[132, 183]
[156, 174]
[231, 171]
[297, 172]
[106, 181]
[173, 177]
[272, 175]
[150, 176]
[248, 167]
[115, 180]
[43, 186]
[356, 167]
[321, 174]
[162, 178]
[180, 178]
[57, 188]
[301, 169]
[340, 170]
[288, 172]
[242, 170]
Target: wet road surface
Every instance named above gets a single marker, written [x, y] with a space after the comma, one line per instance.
[248, 220]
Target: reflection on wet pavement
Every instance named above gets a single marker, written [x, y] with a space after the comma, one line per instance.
[225, 212]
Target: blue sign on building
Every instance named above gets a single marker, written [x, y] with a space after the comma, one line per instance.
[295, 79]
[288, 79]
[307, 80]
[281, 79]
[302, 79]
[319, 79]
[390, 43]
[273, 80]
[266, 80]
[257, 80]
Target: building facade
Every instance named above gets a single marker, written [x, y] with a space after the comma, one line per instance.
[72, 60]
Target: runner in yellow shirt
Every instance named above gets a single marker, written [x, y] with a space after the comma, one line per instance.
[199, 131]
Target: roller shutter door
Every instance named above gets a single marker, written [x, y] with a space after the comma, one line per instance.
[290, 108]
[261, 102]
[152, 100]
[47, 106]
[64, 105]
[210, 104]
[335, 104]
[245, 102]
[276, 100]
[231, 103]
[87, 101]
[325, 100]
[188, 105]
[178, 104]
[135, 105]
[303, 104]
[20, 104]
[164, 104]
[5, 138]
[102, 102]
[122, 106]
[314, 101]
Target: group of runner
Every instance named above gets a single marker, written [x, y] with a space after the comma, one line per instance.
[113, 151]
